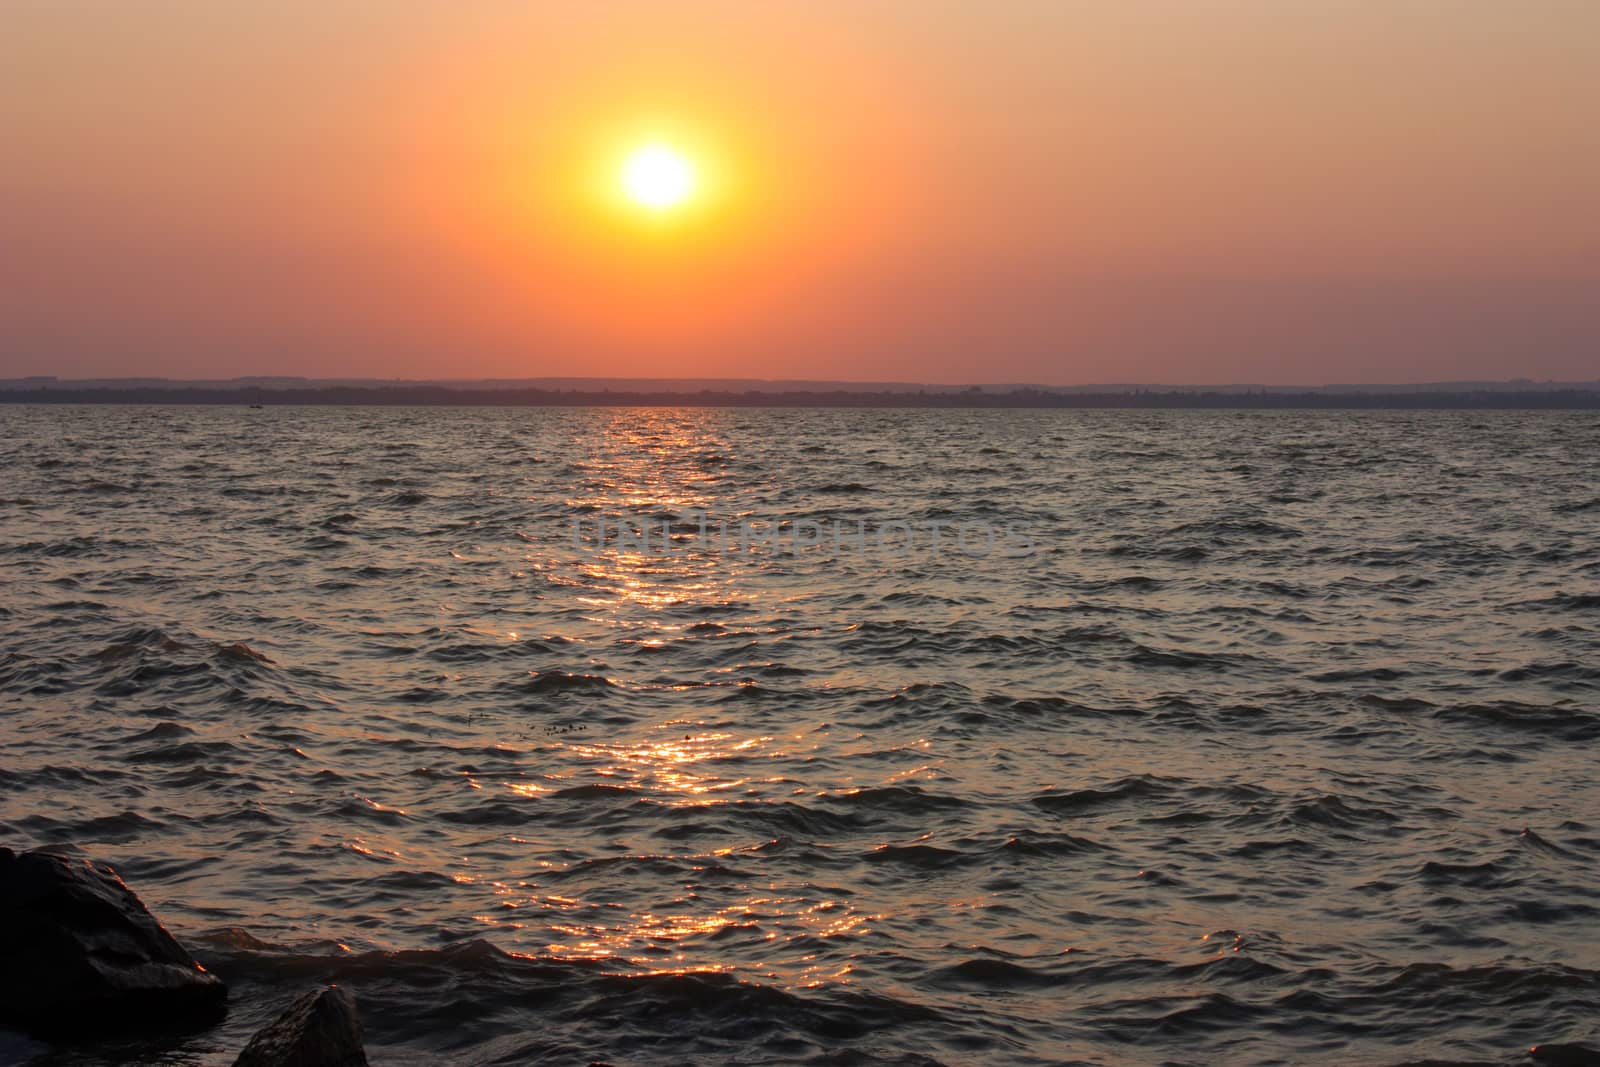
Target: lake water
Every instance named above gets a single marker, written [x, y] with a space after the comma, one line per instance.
[1044, 737]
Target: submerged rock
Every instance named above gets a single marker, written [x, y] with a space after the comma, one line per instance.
[319, 1029]
[79, 953]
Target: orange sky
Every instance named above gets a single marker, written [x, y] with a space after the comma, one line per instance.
[936, 190]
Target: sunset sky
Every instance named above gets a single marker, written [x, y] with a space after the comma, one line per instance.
[1193, 191]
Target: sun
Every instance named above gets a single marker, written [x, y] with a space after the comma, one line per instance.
[657, 176]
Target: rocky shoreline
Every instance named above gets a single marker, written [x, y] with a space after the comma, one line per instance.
[82, 960]
[81, 957]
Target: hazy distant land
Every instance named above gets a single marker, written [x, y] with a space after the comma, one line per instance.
[621, 392]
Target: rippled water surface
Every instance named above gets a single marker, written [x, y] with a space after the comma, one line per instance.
[1277, 748]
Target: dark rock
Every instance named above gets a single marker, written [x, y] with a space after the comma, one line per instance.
[320, 1029]
[79, 954]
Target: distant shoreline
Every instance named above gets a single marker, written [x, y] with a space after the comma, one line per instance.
[1502, 399]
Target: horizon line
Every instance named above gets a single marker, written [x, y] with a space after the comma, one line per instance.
[602, 383]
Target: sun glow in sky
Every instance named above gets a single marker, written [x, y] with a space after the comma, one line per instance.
[901, 190]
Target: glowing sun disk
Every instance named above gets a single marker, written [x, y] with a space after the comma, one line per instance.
[657, 177]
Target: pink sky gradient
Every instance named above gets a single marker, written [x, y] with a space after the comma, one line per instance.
[1196, 191]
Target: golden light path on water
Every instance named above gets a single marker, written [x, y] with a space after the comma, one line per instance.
[638, 469]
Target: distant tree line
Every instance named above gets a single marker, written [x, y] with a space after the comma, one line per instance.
[437, 396]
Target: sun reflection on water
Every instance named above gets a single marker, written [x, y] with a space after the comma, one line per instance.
[668, 767]
[654, 467]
